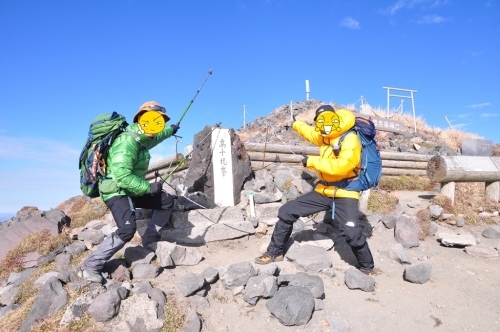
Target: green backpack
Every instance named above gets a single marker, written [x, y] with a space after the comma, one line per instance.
[92, 164]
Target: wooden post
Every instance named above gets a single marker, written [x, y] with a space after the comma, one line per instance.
[448, 190]
[492, 190]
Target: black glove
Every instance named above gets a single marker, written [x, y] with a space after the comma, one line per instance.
[175, 128]
[156, 188]
[304, 160]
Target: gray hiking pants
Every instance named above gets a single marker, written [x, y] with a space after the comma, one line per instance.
[123, 210]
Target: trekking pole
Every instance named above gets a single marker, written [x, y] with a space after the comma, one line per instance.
[192, 100]
[165, 178]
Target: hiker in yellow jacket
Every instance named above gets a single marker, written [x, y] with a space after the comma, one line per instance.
[334, 166]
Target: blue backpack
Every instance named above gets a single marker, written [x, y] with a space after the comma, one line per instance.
[370, 171]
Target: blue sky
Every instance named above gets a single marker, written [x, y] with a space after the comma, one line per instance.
[64, 62]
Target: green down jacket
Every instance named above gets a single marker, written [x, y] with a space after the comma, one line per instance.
[128, 162]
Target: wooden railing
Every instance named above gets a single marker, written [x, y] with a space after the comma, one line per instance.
[448, 170]
[393, 163]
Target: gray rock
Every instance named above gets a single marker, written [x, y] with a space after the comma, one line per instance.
[330, 272]
[435, 211]
[491, 233]
[314, 238]
[461, 240]
[190, 284]
[406, 233]
[292, 305]
[401, 253]
[200, 175]
[193, 322]
[236, 275]
[107, 305]
[271, 269]
[78, 308]
[5, 310]
[260, 286]
[63, 262]
[389, 221]
[418, 274]
[48, 302]
[41, 280]
[414, 204]
[171, 253]
[8, 294]
[433, 228]
[138, 255]
[146, 271]
[482, 251]
[310, 282]
[94, 236]
[75, 248]
[309, 258]
[210, 274]
[138, 313]
[355, 279]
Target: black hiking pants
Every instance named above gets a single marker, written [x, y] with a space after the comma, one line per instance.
[346, 213]
[125, 216]
[123, 210]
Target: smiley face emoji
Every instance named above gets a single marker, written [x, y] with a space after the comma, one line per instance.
[152, 122]
[327, 122]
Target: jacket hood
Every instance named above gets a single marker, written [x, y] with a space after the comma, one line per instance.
[334, 123]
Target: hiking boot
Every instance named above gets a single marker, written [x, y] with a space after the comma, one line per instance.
[366, 271]
[91, 275]
[266, 258]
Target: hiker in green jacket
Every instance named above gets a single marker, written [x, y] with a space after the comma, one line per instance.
[124, 188]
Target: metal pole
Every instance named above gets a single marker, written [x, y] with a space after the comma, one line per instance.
[388, 95]
[244, 119]
[448, 122]
[192, 100]
[413, 107]
[291, 112]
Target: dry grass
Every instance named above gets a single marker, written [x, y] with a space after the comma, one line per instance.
[423, 223]
[405, 182]
[81, 210]
[382, 202]
[42, 242]
[470, 200]
[175, 314]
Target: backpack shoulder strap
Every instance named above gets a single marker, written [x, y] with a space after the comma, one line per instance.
[136, 138]
[338, 145]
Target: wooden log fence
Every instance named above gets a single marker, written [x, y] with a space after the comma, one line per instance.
[393, 163]
[448, 170]
[165, 166]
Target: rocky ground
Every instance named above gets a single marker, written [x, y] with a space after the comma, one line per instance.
[447, 282]
[461, 294]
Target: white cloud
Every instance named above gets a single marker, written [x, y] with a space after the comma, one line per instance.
[350, 23]
[410, 4]
[461, 125]
[438, 3]
[432, 19]
[488, 115]
[401, 4]
[37, 150]
[463, 115]
[478, 105]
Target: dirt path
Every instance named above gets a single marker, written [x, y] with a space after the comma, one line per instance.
[462, 294]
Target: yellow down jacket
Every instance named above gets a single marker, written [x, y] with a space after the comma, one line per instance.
[331, 168]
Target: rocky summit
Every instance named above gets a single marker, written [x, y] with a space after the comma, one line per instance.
[202, 275]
